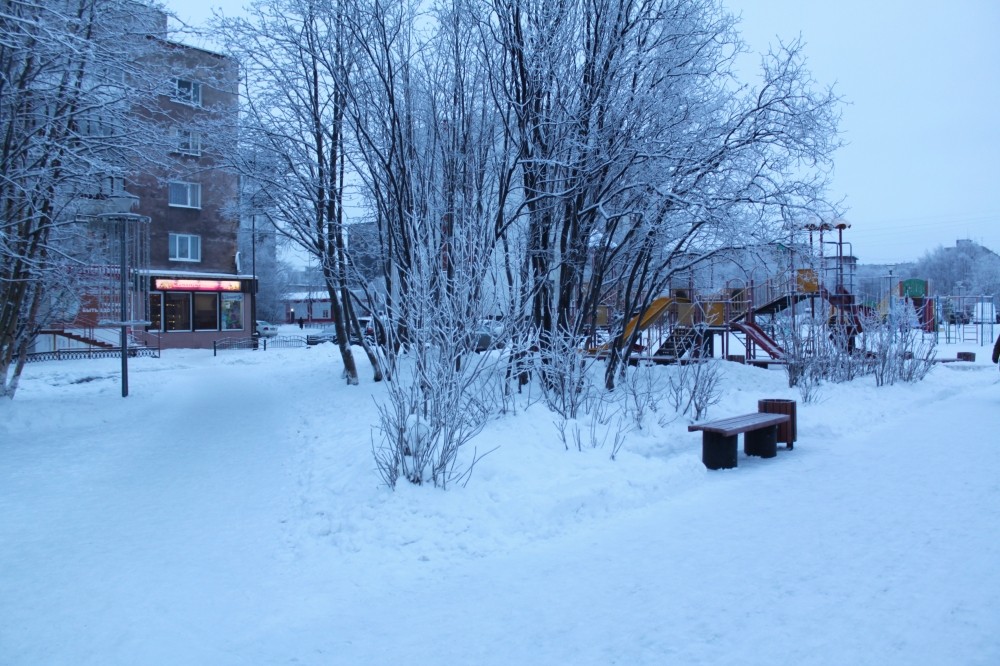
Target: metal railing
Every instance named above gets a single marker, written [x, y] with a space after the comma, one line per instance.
[285, 342]
[75, 354]
[237, 343]
[86, 343]
[258, 343]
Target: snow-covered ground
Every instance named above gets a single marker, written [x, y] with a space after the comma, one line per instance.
[229, 512]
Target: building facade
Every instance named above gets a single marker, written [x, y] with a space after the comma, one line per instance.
[183, 285]
[197, 291]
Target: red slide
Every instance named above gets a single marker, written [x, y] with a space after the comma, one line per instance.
[762, 339]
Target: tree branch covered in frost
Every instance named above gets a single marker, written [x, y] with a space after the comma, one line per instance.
[443, 391]
[638, 154]
[857, 343]
[298, 65]
[79, 84]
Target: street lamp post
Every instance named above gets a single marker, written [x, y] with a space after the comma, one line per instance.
[253, 273]
[123, 273]
[131, 232]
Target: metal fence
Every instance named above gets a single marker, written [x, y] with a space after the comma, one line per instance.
[277, 342]
[285, 342]
[93, 352]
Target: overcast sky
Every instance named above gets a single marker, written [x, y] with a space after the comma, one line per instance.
[922, 82]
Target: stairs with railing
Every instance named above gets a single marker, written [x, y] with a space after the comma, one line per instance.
[680, 341]
[92, 343]
[89, 340]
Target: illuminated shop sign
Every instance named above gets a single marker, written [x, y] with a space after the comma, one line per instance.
[165, 284]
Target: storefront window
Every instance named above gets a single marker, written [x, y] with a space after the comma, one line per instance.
[232, 312]
[156, 312]
[206, 312]
[177, 311]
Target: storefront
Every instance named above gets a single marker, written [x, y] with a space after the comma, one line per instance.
[193, 310]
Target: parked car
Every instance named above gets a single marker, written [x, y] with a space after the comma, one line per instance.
[266, 329]
[488, 336]
[328, 334]
[482, 341]
[373, 329]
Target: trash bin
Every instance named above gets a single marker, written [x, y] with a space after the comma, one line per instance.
[788, 431]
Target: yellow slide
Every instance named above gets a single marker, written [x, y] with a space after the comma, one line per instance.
[646, 319]
[656, 308]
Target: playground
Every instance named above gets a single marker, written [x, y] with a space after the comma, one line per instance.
[754, 321]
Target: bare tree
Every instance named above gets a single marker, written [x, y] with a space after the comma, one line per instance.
[621, 150]
[968, 264]
[296, 58]
[78, 82]
[434, 174]
[633, 131]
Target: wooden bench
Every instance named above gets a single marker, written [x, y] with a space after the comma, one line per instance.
[718, 438]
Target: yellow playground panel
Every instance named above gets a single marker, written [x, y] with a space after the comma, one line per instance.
[712, 313]
[806, 281]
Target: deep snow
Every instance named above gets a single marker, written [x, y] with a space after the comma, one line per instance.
[229, 512]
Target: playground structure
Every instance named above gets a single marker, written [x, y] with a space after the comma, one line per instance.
[688, 323]
[968, 319]
[751, 318]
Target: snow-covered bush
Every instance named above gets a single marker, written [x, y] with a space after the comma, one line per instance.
[693, 386]
[434, 406]
[565, 376]
[807, 355]
[644, 387]
[897, 347]
[445, 381]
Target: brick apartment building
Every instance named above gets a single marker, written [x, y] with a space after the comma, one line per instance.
[196, 292]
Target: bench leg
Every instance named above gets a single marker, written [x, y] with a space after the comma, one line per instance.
[718, 451]
[762, 442]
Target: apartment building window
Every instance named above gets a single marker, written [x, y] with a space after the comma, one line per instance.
[188, 143]
[184, 195]
[103, 187]
[187, 92]
[185, 247]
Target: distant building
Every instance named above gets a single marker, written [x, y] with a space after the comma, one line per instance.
[308, 298]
